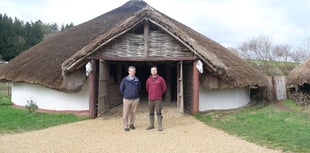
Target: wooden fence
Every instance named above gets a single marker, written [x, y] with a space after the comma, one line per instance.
[276, 89]
[5, 87]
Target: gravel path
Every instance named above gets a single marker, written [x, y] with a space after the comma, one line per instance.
[182, 133]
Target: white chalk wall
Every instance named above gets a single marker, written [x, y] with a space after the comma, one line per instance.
[50, 99]
[222, 99]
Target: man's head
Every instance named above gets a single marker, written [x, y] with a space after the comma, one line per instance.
[154, 71]
[131, 71]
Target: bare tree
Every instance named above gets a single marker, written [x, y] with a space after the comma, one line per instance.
[303, 51]
[260, 49]
[242, 51]
[282, 53]
[297, 56]
[265, 55]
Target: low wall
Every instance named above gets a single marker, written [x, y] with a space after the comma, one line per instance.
[222, 99]
[49, 99]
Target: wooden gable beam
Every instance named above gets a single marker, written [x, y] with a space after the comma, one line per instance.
[146, 37]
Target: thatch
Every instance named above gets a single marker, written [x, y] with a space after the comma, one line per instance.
[300, 74]
[65, 54]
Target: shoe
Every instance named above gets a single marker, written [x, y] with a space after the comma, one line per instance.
[160, 123]
[150, 127]
[126, 129]
[132, 127]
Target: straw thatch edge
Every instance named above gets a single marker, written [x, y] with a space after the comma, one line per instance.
[300, 74]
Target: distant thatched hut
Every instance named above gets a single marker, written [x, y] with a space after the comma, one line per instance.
[298, 82]
[52, 73]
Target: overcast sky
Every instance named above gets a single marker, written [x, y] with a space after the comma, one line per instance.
[228, 22]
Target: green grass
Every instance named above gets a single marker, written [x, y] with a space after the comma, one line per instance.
[273, 62]
[278, 129]
[3, 86]
[14, 120]
[5, 100]
[292, 105]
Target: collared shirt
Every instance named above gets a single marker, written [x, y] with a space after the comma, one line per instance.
[156, 87]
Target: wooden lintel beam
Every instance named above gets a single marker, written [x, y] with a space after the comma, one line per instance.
[113, 58]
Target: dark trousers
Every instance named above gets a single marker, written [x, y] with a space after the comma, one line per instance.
[155, 105]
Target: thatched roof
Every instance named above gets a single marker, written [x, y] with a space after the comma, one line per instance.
[49, 61]
[300, 74]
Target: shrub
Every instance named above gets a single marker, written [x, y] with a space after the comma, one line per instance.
[31, 106]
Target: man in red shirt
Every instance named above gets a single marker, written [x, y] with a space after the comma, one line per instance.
[156, 87]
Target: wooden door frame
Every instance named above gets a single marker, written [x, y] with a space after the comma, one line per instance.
[180, 92]
[103, 87]
[195, 89]
[92, 90]
[93, 98]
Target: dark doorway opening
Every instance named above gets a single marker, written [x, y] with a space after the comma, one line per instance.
[165, 69]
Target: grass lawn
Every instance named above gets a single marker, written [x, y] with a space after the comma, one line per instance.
[288, 130]
[14, 120]
[3, 86]
[260, 62]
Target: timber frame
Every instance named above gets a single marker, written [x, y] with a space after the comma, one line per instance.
[219, 70]
[100, 104]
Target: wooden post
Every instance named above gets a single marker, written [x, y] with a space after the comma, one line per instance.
[103, 89]
[274, 95]
[9, 88]
[146, 38]
[92, 90]
[168, 80]
[180, 94]
[195, 89]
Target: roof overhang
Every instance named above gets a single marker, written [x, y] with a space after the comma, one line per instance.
[79, 59]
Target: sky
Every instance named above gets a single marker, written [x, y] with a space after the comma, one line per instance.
[229, 22]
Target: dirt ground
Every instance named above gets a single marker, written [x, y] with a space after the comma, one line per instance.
[182, 133]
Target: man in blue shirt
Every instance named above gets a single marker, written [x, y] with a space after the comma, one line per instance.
[130, 88]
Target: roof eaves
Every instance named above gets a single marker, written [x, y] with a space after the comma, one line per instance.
[148, 13]
[210, 59]
[72, 62]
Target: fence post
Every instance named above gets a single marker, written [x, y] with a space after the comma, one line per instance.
[8, 88]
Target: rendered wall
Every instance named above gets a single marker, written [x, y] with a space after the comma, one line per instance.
[222, 99]
[50, 99]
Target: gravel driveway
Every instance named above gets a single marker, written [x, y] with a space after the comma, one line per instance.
[182, 133]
